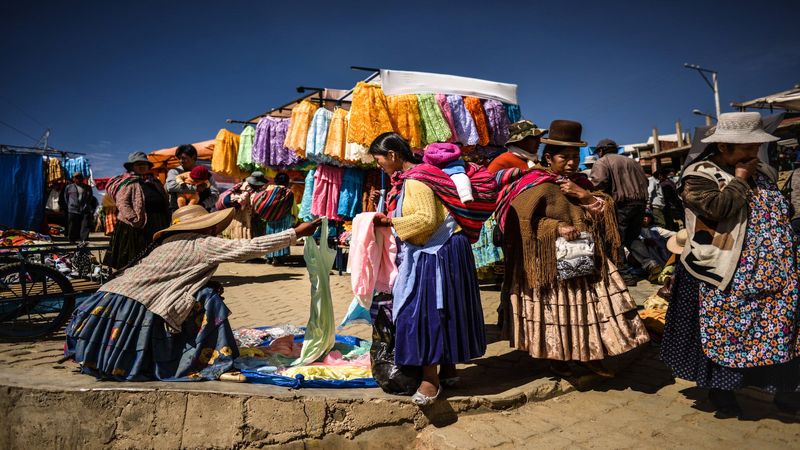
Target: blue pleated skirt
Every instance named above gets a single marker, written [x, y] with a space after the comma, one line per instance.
[427, 335]
[114, 337]
[276, 227]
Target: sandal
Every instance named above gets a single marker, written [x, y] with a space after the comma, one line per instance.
[421, 399]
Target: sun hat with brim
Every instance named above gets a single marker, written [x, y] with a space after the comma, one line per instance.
[565, 133]
[196, 218]
[136, 157]
[677, 242]
[256, 179]
[740, 128]
[518, 131]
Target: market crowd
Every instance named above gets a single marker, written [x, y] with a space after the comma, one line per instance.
[573, 241]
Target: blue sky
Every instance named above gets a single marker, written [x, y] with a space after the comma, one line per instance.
[113, 77]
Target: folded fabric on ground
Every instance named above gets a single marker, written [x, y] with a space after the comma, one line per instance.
[346, 365]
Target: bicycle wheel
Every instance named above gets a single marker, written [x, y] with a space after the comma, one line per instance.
[35, 300]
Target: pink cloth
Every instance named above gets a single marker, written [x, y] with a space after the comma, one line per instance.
[441, 154]
[327, 186]
[335, 358]
[371, 262]
[441, 99]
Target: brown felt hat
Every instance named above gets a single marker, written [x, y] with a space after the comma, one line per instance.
[566, 133]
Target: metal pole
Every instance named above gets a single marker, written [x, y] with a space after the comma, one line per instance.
[716, 92]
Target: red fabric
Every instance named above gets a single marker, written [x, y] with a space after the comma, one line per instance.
[507, 161]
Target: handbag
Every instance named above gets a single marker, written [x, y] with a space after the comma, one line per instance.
[575, 258]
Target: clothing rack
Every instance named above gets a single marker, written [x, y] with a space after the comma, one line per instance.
[300, 89]
[4, 148]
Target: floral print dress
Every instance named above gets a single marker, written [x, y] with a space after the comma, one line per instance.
[754, 321]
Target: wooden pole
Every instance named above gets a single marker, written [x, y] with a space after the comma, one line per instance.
[656, 151]
[679, 133]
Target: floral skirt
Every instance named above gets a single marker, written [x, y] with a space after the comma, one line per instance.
[114, 337]
[581, 319]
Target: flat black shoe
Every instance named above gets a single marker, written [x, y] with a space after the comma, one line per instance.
[787, 404]
[725, 403]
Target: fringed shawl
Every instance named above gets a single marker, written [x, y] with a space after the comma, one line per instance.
[532, 229]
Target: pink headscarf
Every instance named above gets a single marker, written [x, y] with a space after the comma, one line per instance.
[441, 154]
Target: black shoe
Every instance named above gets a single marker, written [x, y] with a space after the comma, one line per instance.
[630, 280]
[787, 403]
[725, 403]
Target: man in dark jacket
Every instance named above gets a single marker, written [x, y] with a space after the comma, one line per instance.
[673, 206]
[78, 204]
[187, 155]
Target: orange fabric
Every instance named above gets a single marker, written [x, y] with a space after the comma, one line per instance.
[226, 149]
[507, 161]
[337, 135]
[369, 114]
[404, 112]
[475, 109]
[299, 124]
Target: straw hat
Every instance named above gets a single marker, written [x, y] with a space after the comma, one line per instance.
[196, 218]
[740, 128]
[677, 242]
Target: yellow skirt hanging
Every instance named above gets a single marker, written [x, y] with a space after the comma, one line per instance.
[405, 115]
[297, 133]
[337, 135]
[226, 152]
[369, 115]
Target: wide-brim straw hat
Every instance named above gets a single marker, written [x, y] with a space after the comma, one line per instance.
[740, 128]
[196, 218]
[677, 242]
[136, 157]
[565, 133]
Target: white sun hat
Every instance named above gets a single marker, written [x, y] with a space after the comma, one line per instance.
[740, 128]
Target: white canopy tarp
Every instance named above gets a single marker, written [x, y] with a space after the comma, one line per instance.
[397, 82]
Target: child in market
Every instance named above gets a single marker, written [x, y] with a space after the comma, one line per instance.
[198, 177]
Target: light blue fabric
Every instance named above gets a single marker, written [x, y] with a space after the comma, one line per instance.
[308, 196]
[513, 112]
[356, 314]
[409, 255]
[276, 227]
[485, 252]
[350, 194]
[79, 164]
[455, 167]
[22, 183]
[317, 135]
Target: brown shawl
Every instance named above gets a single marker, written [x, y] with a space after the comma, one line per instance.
[533, 223]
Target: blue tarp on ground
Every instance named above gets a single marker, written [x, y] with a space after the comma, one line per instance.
[22, 188]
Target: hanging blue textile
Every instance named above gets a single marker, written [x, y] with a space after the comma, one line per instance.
[79, 164]
[22, 183]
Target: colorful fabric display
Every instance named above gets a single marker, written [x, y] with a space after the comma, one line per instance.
[79, 164]
[475, 108]
[371, 262]
[308, 196]
[245, 157]
[317, 135]
[369, 115]
[268, 146]
[434, 126]
[327, 184]
[404, 111]
[497, 119]
[320, 331]
[513, 112]
[296, 135]
[350, 194]
[55, 172]
[336, 142]
[273, 203]
[447, 113]
[470, 216]
[465, 124]
[226, 151]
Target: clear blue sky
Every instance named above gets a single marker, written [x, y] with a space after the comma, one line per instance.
[109, 78]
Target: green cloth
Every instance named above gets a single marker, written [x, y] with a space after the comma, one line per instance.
[320, 330]
[434, 125]
[245, 157]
